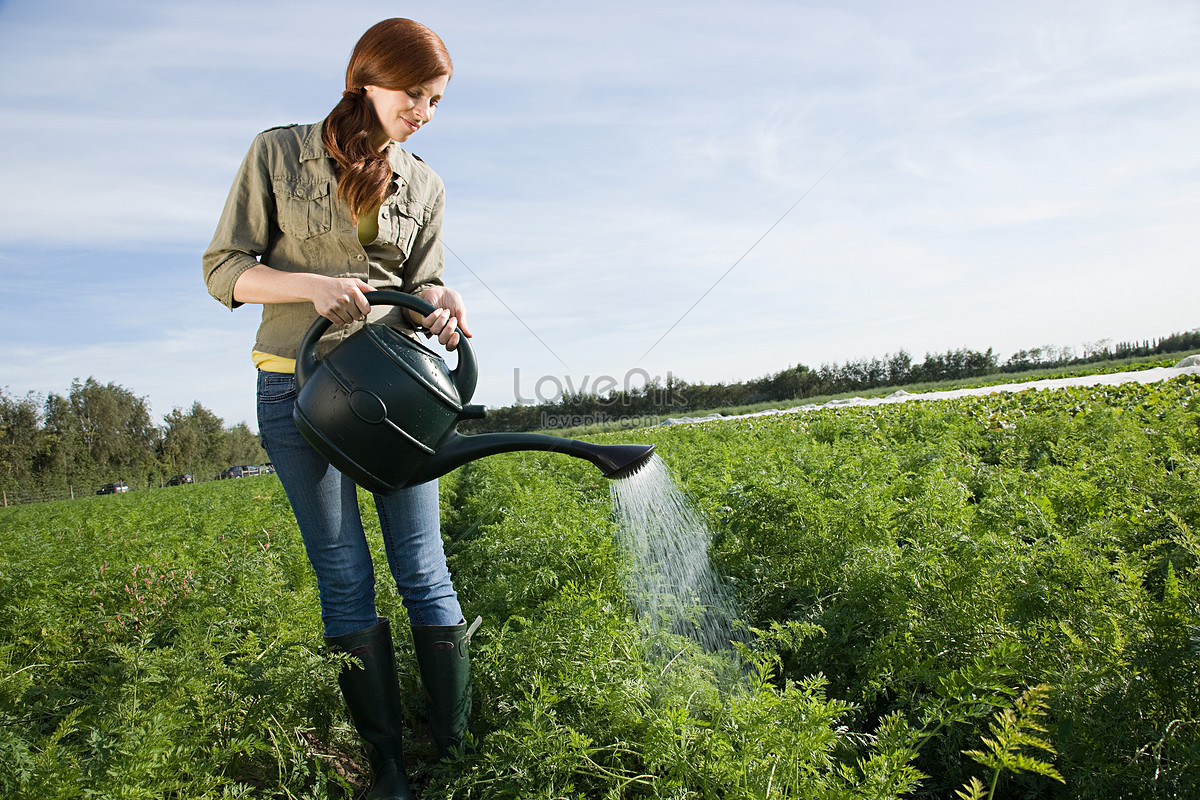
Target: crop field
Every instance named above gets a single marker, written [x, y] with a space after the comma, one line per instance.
[984, 597]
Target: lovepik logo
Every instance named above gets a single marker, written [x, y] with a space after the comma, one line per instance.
[636, 382]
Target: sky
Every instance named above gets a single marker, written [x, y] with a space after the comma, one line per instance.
[705, 190]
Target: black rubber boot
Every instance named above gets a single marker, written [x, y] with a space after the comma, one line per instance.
[372, 693]
[444, 658]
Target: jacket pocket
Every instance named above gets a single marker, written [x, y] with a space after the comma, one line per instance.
[304, 209]
[399, 223]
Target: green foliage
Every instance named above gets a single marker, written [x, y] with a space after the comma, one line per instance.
[196, 442]
[1015, 731]
[20, 419]
[100, 430]
[162, 644]
[636, 404]
[988, 597]
[68, 446]
[1050, 533]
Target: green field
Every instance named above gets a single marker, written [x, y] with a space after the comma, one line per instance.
[989, 593]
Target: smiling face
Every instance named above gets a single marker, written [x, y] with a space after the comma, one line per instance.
[402, 112]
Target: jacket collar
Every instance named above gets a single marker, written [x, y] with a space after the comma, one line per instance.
[312, 146]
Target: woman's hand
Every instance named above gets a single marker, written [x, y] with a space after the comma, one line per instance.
[341, 300]
[450, 318]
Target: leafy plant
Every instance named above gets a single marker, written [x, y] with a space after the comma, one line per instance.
[1015, 732]
[905, 570]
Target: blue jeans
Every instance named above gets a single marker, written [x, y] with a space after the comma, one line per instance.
[326, 506]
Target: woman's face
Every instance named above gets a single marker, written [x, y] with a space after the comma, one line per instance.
[401, 112]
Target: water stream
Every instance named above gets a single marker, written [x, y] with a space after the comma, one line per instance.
[671, 582]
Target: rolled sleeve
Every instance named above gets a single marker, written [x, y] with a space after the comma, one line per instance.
[244, 231]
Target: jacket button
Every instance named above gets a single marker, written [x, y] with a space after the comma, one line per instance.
[360, 257]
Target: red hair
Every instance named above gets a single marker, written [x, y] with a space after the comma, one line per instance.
[394, 54]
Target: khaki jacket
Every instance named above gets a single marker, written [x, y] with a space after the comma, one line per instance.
[283, 211]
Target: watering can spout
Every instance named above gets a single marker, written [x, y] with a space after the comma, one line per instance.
[615, 461]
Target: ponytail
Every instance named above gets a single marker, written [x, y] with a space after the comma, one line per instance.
[394, 54]
[362, 171]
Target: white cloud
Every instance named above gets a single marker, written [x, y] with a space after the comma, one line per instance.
[192, 365]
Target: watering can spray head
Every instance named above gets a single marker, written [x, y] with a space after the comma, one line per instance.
[620, 461]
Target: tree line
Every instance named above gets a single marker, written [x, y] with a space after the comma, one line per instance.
[675, 397]
[66, 445]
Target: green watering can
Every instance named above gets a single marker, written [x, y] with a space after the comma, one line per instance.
[383, 409]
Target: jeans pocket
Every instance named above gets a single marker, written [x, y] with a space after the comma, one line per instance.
[276, 399]
[276, 387]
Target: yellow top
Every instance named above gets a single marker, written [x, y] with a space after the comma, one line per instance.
[368, 227]
[272, 363]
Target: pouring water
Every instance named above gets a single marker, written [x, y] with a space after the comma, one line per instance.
[671, 582]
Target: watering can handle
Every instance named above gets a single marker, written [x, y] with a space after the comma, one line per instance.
[464, 375]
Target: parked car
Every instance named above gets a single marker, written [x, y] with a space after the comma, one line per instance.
[113, 488]
[179, 479]
[244, 471]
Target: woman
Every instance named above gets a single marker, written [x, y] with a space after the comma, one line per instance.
[318, 217]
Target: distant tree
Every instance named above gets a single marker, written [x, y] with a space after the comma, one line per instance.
[1178, 342]
[955, 365]
[1094, 351]
[62, 460]
[20, 440]
[899, 368]
[791, 383]
[240, 445]
[115, 430]
[193, 442]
